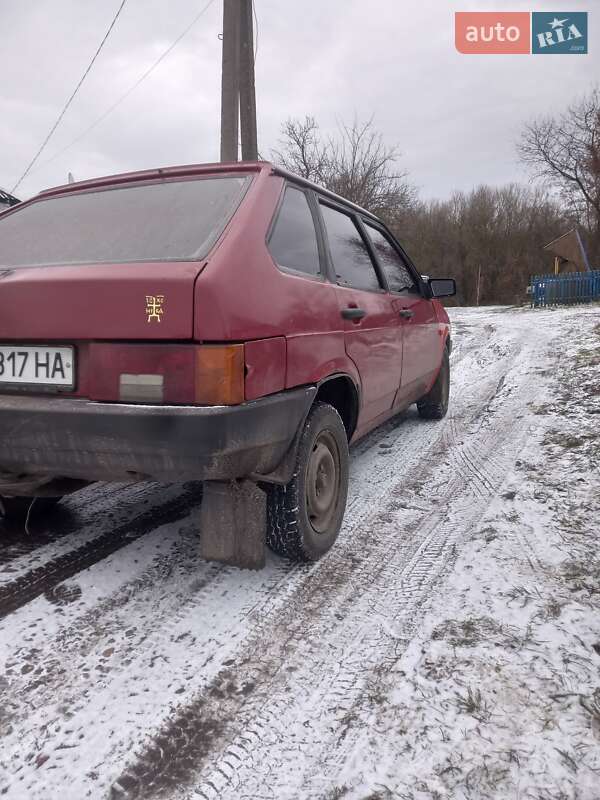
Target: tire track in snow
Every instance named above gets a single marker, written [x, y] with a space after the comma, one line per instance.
[169, 647]
[44, 579]
[78, 519]
[164, 765]
[283, 627]
[176, 751]
[60, 522]
[64, 668]
[408, 589]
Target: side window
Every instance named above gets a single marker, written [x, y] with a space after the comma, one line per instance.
[351, 259]
[293, 241]
[391, 262]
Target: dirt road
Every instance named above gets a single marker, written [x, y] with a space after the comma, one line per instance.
[131, 669]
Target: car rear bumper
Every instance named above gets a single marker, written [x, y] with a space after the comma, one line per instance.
[64, 437]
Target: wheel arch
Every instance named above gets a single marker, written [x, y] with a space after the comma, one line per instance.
[341, 392]
[338, 390]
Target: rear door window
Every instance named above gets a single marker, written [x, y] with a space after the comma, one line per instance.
[293, 241]
[351, 260]
[170, 220]
[398, 275]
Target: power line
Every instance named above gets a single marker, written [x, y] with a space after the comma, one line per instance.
[71, 98]
[126, 94]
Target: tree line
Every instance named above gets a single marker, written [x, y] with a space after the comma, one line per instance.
[489, 239]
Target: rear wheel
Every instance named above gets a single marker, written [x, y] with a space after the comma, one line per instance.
[17, 508]
[304, 517]
[435, 403]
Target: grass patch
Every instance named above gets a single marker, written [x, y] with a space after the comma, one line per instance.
[380, 794]
[587, 358]
[552, 609]
[473, 631]
[337, 793]
[544, 408]
[474, 705]
[568, 440]
[582, 575]
[523, 594]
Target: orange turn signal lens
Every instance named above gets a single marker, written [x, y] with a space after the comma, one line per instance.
[220, 374]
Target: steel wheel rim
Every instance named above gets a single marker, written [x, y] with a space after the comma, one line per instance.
[322, 481]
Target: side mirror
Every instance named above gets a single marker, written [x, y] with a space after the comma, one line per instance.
[442, 287]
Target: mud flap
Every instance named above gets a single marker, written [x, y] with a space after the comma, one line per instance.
[233, 520]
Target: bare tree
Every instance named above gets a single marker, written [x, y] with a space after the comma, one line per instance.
[565, 152]
[301, 149]
[498, 233]
[356, 164]
[495, 233]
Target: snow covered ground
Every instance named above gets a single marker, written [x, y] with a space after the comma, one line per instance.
[448, 647]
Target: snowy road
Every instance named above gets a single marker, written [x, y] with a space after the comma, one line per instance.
[131, 669]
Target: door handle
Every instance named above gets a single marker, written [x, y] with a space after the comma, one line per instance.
[406, 313]
[354, 313]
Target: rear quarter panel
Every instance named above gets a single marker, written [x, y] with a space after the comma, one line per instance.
[242, 295]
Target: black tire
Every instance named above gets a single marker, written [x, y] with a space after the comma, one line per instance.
[17, 508]
[305, 516]
[435, 403]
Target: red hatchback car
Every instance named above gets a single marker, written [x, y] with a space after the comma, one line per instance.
[230, 323]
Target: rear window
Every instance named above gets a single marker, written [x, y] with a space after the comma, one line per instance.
[167, 221]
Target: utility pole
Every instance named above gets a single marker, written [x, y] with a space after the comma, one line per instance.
[230, 87]
[238, 97]
[247, 88]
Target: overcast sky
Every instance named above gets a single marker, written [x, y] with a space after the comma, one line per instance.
[455, 118]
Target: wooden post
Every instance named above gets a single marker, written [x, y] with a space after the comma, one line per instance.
[230, 85]
[247, 87]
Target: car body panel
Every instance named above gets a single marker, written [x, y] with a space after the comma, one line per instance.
[290, 325]
[374, 343]
[98, 301]
[421, 346]
[320, 355]
[265, 361]
[241, 295]
[91, 441]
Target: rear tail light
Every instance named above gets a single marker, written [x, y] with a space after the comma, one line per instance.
[166, 373]
[220, 374]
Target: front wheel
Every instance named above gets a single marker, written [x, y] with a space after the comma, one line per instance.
[434, 404]
[304, 517]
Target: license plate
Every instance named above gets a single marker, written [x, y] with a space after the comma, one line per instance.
[39, 365]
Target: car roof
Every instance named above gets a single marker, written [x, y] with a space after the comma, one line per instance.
[227, 167]
[157, 173]
[291, 176]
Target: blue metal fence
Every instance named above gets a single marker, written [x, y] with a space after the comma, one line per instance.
[569, 289]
